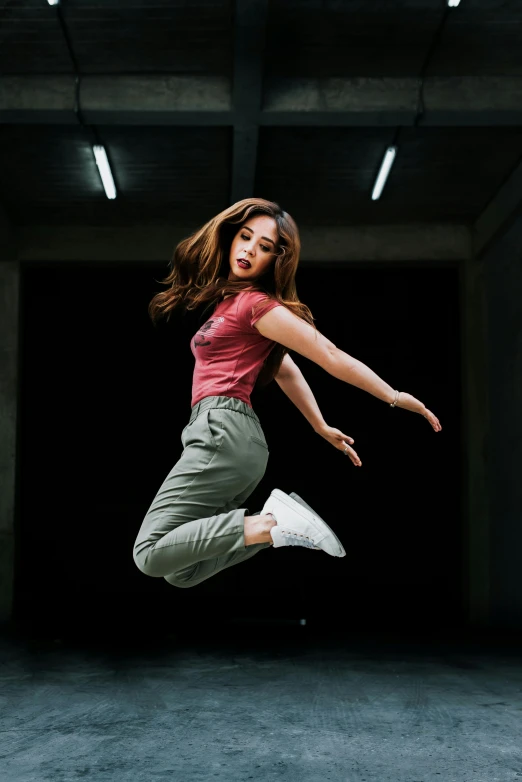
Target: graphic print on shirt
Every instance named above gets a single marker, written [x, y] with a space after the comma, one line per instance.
[208, 329]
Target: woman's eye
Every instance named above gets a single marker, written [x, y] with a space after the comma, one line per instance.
[263, 247]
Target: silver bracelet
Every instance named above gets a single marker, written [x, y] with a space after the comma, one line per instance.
[396, 399]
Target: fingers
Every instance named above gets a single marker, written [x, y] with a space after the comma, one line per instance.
[351, 453]
[433, 420]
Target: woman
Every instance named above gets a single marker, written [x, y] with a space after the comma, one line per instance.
[244, 261]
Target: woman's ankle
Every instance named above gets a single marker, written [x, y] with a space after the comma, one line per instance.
[257, 529]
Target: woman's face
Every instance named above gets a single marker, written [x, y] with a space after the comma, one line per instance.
[256, 242]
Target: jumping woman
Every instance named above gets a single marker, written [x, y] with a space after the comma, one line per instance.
[243, 262]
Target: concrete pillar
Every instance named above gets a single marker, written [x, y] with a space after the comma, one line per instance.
[9, 342]
[475, 439]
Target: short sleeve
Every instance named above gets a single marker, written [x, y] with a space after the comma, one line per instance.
[248, 301]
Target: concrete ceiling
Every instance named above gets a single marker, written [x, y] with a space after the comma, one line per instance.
[314, 38]
[200, 103]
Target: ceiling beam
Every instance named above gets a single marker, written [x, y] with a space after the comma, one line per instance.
[501, 212]
[172, 99]
[362, 100]
[168, 99]
[416, 243]
[249, 31]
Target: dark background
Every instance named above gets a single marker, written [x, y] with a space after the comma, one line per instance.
[105, 396]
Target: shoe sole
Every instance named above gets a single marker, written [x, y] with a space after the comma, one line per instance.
[317, 520]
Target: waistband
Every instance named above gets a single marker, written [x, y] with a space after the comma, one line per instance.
[230, 402]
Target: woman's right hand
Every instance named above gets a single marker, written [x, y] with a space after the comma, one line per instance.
[408, 402]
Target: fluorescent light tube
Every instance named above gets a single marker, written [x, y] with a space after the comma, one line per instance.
[53, 2]
[105, 170]
[453, 3]
[382, 176]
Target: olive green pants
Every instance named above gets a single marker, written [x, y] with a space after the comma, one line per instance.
[195, 525]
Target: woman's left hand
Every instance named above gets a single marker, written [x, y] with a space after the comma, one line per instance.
[340, 441]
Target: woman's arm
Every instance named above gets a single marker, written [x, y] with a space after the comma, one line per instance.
[291, 380]
[281, 325]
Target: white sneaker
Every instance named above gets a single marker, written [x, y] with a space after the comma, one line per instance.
[299, 525]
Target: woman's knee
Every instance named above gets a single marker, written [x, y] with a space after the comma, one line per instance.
[145, 563]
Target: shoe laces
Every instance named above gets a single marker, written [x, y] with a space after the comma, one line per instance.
[297, 539]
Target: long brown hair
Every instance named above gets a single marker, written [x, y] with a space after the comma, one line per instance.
[200, 268]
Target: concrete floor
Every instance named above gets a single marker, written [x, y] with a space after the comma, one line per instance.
[290, 708]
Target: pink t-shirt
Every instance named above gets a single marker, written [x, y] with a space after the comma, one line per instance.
[229, 350]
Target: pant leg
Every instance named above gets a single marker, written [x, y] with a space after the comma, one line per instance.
[222, 462]
[195, 574]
